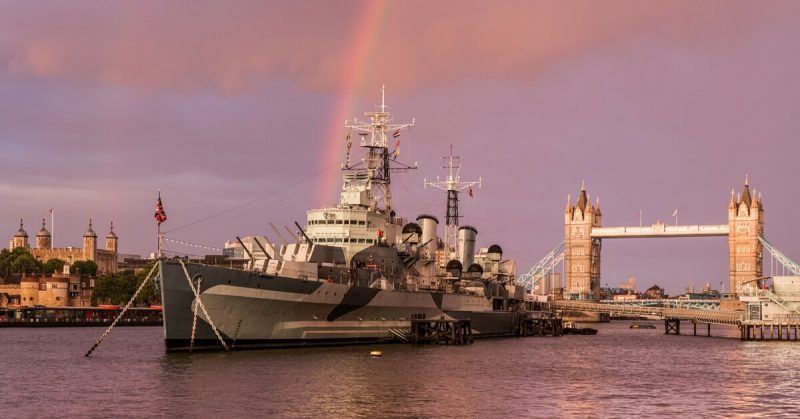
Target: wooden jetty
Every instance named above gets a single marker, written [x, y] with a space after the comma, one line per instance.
[441, 331]
[541, 323]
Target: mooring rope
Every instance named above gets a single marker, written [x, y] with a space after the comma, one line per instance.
[194, 316]
[122, 313]
[202, 306]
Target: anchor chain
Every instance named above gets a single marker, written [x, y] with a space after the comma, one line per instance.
[202, 306]
[122, 313]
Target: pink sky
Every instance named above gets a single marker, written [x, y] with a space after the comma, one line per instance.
[657, 105]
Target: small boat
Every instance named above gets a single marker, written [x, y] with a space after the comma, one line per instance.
[642, 325]
[571, 329]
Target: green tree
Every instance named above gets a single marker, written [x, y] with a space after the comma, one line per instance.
[84, 267]
[16, 261]
[25, 263]
[118, 289]
[5, 263]
[53, 266]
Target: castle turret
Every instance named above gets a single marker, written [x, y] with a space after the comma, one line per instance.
[90, 243]
[581, 251]
[20, 239]
[44, 240]
[111, 240]
[746, 225]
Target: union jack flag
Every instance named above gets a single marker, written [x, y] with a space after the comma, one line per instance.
[161, 215]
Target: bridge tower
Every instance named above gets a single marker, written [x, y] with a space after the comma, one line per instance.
[746, 225]
[581, 251]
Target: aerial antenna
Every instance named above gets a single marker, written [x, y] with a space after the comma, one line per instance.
[452, 185]
[375, 169]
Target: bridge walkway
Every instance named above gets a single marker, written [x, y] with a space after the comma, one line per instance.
[734, 318]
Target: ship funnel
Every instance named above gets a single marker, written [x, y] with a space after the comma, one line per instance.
[412, 233]
[430, 225]
[495, 253]
[466, 245]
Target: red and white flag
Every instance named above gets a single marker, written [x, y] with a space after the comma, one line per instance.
[396, 134]
[161, 215]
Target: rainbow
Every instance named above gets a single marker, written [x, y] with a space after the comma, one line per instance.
[362, 45]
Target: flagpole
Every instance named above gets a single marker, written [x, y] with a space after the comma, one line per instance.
[158, 242]
[52, 228]
[158, 228]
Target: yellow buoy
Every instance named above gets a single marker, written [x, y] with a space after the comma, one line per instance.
[375, 353]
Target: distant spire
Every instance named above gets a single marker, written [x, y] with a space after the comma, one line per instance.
[569, 203]
[732, 204]
[90, 232]
[111, 234]
[746, 182]
[582, 198]
[21, 232]
[746, 193]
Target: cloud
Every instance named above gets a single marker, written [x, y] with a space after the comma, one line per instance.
[232, 45]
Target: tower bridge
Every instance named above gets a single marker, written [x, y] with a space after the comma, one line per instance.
[580, 251]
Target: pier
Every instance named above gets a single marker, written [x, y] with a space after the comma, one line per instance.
[541, 323]
[441, 331]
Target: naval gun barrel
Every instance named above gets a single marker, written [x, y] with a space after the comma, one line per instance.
[245, 248]
[255, 239]
[308, 239]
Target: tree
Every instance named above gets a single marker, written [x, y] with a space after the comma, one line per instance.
[25, 263]
[118, 289]
[53, 266]
[9, 257]
[84, 267]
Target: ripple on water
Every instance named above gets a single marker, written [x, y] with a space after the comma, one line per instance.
[619, 372]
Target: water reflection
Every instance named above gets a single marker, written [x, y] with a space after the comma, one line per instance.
[619, 372]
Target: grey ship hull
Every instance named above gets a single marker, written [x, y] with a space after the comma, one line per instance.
[252, 310]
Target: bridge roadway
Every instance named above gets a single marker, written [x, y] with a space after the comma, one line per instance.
[698, 316]
[696, 304]
[661, 230]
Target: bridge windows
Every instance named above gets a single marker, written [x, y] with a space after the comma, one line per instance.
[743, 249]
[577, 232]
[578, 268]
[578, 251]
[742, 228]
[742, 266]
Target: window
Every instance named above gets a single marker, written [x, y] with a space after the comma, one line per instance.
[577, 232]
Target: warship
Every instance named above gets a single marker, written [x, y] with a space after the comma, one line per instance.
[357, 272]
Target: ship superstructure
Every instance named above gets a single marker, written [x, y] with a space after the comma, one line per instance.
[364, 214]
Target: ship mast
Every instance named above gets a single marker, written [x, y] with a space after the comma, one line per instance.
[452, 185]
[374, 171]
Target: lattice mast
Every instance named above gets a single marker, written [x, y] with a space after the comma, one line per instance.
[373, 172]
[453, 185]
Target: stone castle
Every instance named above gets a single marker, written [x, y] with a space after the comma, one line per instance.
[106, 260]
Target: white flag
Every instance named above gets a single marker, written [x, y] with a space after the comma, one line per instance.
[675, 213]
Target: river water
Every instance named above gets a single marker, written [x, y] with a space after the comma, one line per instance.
[618, 373]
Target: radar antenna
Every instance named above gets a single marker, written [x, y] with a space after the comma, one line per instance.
[452, 185]
[373, 172]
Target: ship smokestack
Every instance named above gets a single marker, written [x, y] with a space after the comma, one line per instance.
[430, 225]
[466, 245]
